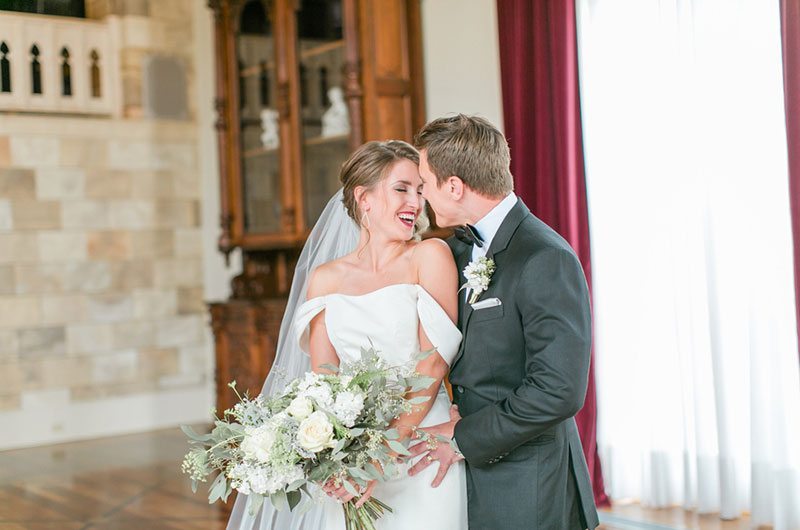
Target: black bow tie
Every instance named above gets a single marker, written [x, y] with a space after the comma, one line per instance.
[469, 235]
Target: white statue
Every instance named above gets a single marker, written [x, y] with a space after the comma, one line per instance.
[269, 123]
[335, 120]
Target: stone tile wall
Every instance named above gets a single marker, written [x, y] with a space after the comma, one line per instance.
[100, 264]
[101, 252]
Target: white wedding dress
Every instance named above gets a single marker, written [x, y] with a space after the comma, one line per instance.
[390, 317]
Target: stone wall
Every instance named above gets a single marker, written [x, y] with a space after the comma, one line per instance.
[101, 253]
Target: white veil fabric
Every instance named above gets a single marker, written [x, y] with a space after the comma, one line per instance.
[333, 236]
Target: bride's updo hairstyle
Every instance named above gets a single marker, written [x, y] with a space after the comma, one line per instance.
[368, 166]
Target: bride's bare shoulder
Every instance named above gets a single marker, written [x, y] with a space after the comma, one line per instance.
[327, 277]
[432, 251]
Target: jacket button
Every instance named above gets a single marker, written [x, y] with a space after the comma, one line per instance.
[460, 389]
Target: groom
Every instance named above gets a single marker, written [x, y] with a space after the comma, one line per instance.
[521, 373]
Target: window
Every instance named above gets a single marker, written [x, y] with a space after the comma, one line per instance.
[64, 8]
[5, 68]
[66, 76]
[36, 71]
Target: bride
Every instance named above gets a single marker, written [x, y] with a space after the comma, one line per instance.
[367, 278]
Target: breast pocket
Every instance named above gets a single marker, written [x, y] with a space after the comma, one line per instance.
[489, 313]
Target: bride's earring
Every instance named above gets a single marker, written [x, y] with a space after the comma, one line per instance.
[363, 218]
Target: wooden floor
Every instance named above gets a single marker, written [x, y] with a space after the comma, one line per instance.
[134, 483]
[124, 483]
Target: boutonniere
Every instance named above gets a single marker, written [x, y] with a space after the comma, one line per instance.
[478, 274]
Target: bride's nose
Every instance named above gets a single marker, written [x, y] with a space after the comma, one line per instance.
[414, 200]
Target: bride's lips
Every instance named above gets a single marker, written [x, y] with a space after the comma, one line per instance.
[407, 218]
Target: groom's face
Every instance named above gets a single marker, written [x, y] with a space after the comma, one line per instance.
[442, 202]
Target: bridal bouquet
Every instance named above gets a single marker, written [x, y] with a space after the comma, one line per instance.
[322, 428]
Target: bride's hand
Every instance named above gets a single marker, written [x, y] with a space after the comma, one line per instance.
[340, 493]
[367, 493]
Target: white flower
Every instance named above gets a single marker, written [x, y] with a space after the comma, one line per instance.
[478, 274]
[258, 442]
[300, 408]
[315, 432]
[347, 407]
[291, 474]
[345, 380]
[310, 379]
[321, 393]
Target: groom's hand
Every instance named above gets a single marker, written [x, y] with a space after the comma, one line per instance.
[435, 451]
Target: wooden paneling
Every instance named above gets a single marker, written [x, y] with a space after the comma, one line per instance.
[394, 119]
[392, 69]
[245, 336]
[390, 34]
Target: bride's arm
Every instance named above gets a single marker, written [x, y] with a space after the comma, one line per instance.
[437, 274]
[319, 345]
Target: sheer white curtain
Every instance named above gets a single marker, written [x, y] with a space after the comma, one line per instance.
[697, 364]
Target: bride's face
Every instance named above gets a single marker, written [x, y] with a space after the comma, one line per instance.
[396, 202]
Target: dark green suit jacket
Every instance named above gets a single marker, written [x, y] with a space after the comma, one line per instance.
[518, 380]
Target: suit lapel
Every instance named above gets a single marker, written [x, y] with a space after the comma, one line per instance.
[462, 259]
[507, 228]
[499, 243]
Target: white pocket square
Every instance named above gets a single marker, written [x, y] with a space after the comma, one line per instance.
[489, 302]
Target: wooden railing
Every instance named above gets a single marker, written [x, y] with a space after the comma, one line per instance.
[58, 64]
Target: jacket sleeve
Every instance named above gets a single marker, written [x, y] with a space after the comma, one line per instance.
[553, 305]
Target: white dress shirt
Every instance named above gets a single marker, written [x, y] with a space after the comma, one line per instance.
[487, 228]
[489, 224]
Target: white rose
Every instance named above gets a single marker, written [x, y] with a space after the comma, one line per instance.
[300, 408]
[315, 432]
[258, 442]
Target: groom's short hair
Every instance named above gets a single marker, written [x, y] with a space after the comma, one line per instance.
[472, 149]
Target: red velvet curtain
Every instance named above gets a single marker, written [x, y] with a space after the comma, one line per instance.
[790, 28]
[541, 107]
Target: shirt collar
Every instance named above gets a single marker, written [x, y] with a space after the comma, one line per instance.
[490, 223]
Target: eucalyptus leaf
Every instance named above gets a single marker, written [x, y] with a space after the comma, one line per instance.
[228, 491]
[349, 487]
[279, 500]
[339, 445]
[373, 471]
[358, 473]
[421, 356]
[397, 447]
[377, 454]
[193, 435]
[392, 434]
[254, 502]
[217, 488]
[419, 400]
[296, 485]
[293, 498]
[331, 367]
[418, 383]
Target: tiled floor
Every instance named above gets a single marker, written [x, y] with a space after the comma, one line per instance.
[134, 483]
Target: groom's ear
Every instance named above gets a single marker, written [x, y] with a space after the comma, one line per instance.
[455, 187]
